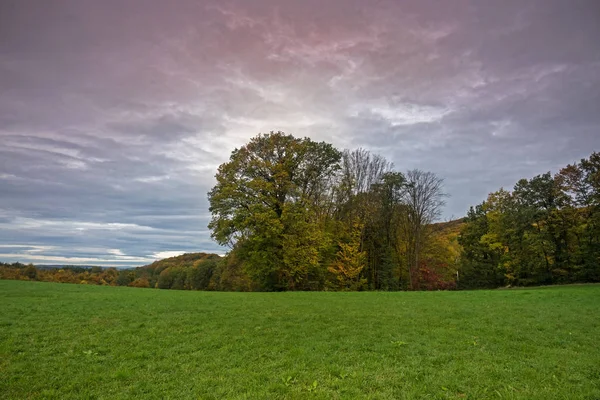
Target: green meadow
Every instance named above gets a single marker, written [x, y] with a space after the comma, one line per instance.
[61, 341]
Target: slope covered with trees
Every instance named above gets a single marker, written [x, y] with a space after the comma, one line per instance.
[187, 271]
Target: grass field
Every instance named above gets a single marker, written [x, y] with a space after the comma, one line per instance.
[76, 342]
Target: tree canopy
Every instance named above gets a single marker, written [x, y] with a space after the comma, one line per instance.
[300, 215]
[546, 231]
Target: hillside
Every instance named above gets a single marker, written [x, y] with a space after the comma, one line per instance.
[454, 225]
[187, 271]
[184, 261]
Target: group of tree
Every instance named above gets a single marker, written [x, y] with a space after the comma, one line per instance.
[546, 231]
[302, 215]
[195, 271]
[60, 274]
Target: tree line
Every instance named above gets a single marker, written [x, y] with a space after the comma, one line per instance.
[191, 271]
[545, 231]
[302, 215]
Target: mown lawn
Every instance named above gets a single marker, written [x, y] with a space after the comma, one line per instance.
[75, 342]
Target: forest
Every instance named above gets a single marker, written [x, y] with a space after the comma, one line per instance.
[545, 231]
[302, 215]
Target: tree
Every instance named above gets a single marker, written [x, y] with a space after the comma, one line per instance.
[165, 279]
[478, 261]
[363, 194]
[545, 232]
[124, 278]
[424, 199]
[270, 176]
[30, 271]
[360, 170]
[582, 183]
[382, 234]
[539, 201]
[200, 273]
[303, 243]
[140, 283]
[349, 263]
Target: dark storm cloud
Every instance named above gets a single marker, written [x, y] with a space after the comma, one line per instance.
[114, 115]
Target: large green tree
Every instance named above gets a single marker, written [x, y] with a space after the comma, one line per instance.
[266, 205]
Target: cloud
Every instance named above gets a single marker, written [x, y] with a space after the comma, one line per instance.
[40, 259]
[114, 116]
[151, 179]
[403, 113]
[26, 248]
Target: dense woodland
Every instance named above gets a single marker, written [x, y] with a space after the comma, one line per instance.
[302, 215]
[545, 231]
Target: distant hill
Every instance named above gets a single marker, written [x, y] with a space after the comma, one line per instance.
[185, 260]
[59, 266]
[449, 226]
[187, 271]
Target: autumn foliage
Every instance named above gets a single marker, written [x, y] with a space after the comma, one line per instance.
[301, 215]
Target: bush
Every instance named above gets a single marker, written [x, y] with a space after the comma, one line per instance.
[140, 283]
[30, 271]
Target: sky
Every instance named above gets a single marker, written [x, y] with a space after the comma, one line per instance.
[115, 114]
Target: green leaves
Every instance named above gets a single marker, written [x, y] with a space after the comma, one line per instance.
[543, 232]
[287, 207]
[265, 202]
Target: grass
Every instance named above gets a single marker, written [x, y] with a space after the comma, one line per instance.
[60, 341]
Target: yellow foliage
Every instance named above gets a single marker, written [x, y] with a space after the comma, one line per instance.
[350, 262]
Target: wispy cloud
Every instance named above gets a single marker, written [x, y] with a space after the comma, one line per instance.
[38, 259]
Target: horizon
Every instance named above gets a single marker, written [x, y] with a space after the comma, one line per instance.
[114, 117]
[116, 266]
